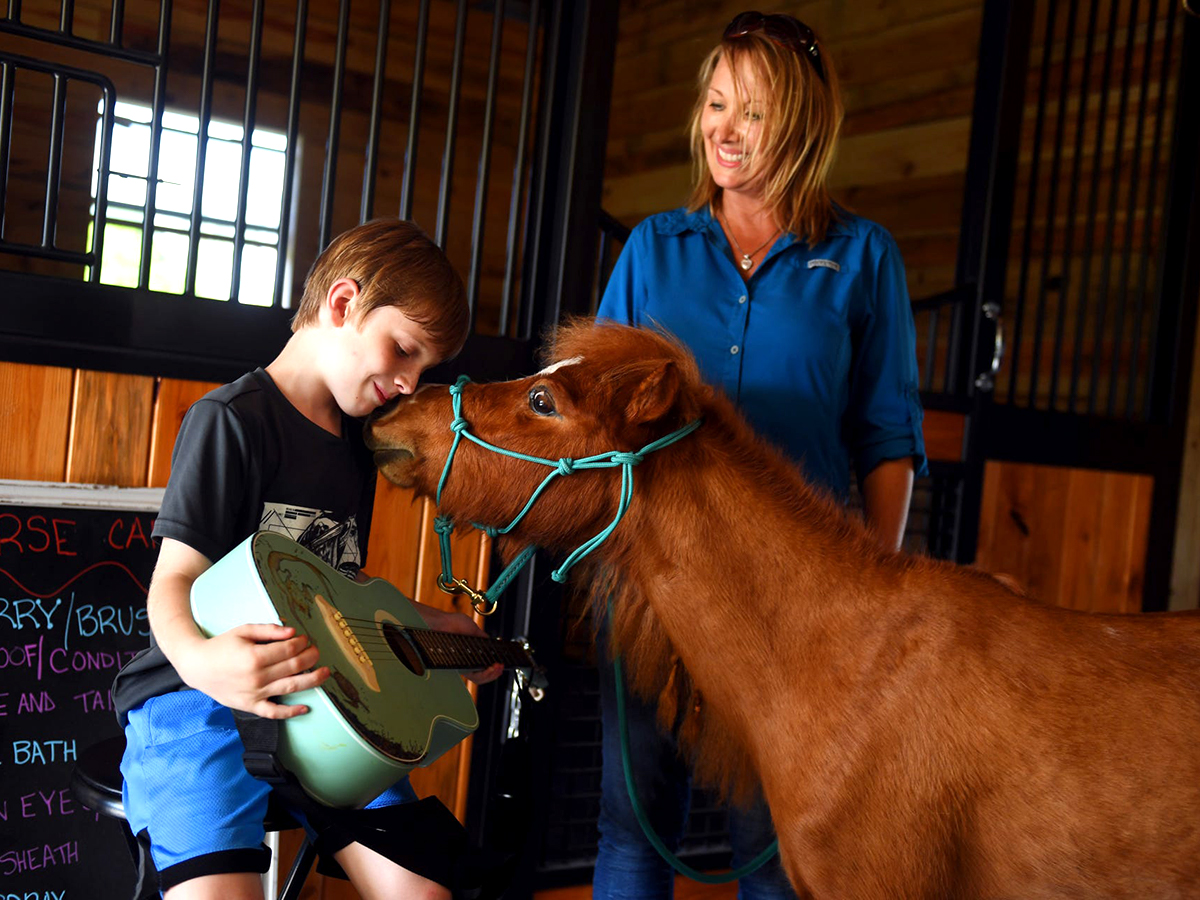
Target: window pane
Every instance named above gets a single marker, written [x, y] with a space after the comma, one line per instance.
[122, 255]
[222, 171]
[176, 172]
[130, 148]
[214, 269]
[168, 262]
[258, 275]
[264, 196]
[128, 190]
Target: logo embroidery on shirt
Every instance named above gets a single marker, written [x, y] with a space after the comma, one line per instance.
[825, 264]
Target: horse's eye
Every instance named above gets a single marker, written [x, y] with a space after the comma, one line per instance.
[541, 402]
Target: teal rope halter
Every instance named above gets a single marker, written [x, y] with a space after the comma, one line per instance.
[485, 602]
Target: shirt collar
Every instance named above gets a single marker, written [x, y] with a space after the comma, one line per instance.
[677, 221]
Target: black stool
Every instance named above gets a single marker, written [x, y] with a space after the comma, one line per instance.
[96, 783]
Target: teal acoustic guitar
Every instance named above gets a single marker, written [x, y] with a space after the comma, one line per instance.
[393, 700]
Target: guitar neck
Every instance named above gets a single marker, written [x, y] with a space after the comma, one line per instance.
[444, 650]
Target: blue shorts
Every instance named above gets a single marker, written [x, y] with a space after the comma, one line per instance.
[186, 787]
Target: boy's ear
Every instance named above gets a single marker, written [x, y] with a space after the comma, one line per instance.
[341, 299]
[653, 397]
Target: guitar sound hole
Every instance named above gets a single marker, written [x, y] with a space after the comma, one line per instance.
[403, 648]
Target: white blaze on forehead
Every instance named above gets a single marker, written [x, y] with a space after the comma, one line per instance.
[558, 365]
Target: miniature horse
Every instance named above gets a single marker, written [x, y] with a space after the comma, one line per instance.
[919, 730]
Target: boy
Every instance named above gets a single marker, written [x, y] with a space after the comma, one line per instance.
[282, 445]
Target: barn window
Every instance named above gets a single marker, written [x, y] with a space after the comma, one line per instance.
[127, 197]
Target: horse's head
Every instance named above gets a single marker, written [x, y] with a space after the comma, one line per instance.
[605, 388]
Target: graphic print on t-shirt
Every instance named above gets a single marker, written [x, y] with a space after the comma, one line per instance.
[335, 542]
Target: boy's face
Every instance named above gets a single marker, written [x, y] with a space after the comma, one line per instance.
[377, 356]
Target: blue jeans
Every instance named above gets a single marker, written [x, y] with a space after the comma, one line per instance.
[627, 865]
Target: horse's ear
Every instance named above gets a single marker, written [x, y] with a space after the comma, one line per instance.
[654, 395]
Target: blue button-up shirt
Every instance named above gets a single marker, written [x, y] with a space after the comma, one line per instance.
[818, 349]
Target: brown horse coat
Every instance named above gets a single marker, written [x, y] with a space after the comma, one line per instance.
[919, 730]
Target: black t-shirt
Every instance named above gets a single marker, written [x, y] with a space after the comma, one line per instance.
[246, 460]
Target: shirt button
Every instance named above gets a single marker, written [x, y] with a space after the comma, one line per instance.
[734, 349]
[742, 299]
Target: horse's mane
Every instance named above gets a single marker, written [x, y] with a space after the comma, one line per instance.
[651, 663]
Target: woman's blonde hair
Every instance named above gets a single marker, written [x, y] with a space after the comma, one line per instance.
[802, 115]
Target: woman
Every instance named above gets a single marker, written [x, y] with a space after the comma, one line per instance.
[800, 312]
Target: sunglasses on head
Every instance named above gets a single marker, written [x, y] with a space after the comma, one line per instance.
[779, 29]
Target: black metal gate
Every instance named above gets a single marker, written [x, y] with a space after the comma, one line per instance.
[258, 130]
[1069, 340]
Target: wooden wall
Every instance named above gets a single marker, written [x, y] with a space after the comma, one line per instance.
[90, 427]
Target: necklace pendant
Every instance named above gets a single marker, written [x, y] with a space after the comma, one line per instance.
[746, 263]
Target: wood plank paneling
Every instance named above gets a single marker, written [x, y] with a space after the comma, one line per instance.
[34, 413]
[1071, 537]
[109, 440]
[173, 399]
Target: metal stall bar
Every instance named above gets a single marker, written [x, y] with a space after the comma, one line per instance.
[535, 224]
[289, 158]
[1031, 202]
[1085, 274]
[485, 158]
[158, 103]
[58, 112]
[1051, 208]
[329, 182]
[1072, 198]
[520, 177]
[1151, 198]
[248, 117]
[1110, 228]
[45, 35]
[1158, 386]
[206, 88]
[1175, 318]
[45, 249]
[8, 77]
[367, 209]
[66, 19]
[117, 23]
[443, 210]
[414, 112]
[1131, 213]
[106, 130]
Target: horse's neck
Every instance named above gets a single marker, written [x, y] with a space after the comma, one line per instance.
[731, 549]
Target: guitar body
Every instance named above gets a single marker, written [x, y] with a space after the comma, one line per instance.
[375, 718]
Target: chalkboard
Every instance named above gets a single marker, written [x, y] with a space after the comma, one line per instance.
[75, 563]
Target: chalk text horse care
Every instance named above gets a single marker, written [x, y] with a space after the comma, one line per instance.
[919, 730]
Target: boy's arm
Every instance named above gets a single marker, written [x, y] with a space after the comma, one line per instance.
[242, 668]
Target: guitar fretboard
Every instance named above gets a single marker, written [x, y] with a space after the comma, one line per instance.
[443, 650]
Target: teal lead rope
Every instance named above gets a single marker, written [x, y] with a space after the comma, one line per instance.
[647, 829]
[485, 603]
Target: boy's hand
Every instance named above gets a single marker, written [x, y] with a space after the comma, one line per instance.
[242, 668]
[457, 623]
[246, 666]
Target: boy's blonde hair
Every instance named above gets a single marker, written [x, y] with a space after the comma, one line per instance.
[394, 263]
[802, 115]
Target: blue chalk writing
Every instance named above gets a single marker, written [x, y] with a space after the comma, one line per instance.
[29, 612]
